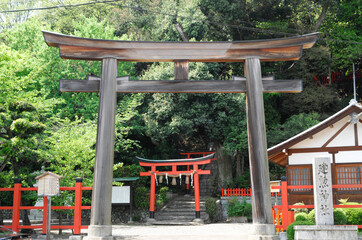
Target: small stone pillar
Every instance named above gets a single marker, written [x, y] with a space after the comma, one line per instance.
[323, 205]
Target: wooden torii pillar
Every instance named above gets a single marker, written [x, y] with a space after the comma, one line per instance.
[250, 52]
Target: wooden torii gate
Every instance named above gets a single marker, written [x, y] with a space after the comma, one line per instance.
[111, 52]
[174, 163]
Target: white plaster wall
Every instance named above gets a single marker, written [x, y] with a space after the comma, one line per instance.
[341, 157]
[306, 158]
[345, 138]
[349, 157]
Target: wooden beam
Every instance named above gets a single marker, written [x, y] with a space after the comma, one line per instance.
[56, 39]
[327, 149]
[169, 55]
[174, 86]
[181, 70]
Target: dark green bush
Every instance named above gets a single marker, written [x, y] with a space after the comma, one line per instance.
[238, 209]
[163, 195]
[211, 208]
[340, 217]
[290, 229]
[301, 216]
[141, 198]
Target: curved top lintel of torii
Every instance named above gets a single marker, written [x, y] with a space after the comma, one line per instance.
[279, 49]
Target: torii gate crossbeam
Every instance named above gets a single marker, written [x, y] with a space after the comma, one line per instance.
[110, 52]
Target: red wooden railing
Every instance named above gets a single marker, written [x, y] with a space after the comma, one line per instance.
[283, 210]
[239, 192]
[17, 189]
[337, 77]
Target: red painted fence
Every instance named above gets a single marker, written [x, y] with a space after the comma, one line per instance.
[17, 189]
[285, 207]
[239, 192]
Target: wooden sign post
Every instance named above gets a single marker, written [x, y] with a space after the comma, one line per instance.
[250, 52]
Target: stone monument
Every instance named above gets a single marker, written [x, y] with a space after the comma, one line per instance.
[323, 205]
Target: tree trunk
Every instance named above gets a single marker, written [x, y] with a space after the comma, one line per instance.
[225, 166]
[238, 165]
[322, 16]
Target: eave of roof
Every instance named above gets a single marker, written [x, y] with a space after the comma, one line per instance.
[352, 107]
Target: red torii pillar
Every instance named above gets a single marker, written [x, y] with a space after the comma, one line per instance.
[174, 163]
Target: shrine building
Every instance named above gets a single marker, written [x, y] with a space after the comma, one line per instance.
[339, 137]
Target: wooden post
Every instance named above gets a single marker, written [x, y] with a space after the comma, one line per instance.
[103, 170]
[153, 193]
[45, 214]
[49, 215]
[259, 170]
[16, 204]
[181, 70]
[78, 206]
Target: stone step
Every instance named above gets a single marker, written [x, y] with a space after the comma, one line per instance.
[176, 213]
[175, 218]
[182, 205]
[175, 210]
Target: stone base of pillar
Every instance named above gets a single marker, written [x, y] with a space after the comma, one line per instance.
[325, 232]
[263, 232]
[99, 232]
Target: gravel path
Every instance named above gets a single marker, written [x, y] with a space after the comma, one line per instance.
[218, 231]
[208, 231]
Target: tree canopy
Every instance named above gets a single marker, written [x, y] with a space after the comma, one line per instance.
[39, 126]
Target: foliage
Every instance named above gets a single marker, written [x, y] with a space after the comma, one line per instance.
[340, 217]
[302, 216]
[299, 210]
[290, 229]
[238, 209]
[292, 126]
[163, 195]
[141, 198]
[311, 216]
[353, 215]
[211, 208]
[71, 151]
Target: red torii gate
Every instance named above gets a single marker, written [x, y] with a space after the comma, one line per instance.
[174, 163]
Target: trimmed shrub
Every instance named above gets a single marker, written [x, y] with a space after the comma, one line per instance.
[301, 216]
[141, 198]
[163, 195]
[299, 210]
[211, 208]
[290, 229]
[238, 209]
[340, 217]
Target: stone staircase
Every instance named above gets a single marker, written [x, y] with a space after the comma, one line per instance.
[180, 211]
